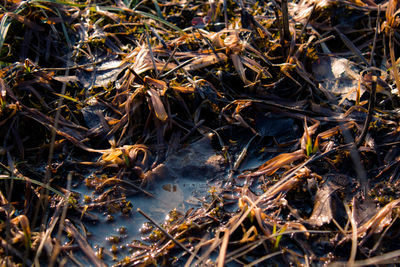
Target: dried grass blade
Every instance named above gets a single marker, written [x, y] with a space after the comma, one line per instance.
[243, 250]
[390, 12]
[67, 97]
[62, 220]
[185, 90]
[239, 68]
[151, 50]
[206, 60]
[166, 233]
[45, 236]
[243, 154]
[378, 29]
[196, 250]
[380, 220]
[7, 247]
[224, 247]
[255, 66]
[272, 165]
[353, 223]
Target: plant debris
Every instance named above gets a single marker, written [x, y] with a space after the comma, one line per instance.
[199, 132]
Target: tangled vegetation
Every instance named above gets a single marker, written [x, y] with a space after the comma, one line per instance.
[115, 96]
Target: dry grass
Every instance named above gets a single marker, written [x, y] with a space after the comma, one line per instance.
[119, 86]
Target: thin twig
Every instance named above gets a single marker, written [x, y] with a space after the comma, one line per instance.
[83, 244]
[177, 68]
[151, 50]
[5, 168]
[351, 46]
[169, 60]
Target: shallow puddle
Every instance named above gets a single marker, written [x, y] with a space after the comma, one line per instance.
[181, 182]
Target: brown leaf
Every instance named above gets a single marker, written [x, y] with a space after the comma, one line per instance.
[157, 105]
[158, 84]
[324, 205]
[205, 60]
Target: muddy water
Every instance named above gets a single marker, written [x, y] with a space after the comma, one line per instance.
[179, 183]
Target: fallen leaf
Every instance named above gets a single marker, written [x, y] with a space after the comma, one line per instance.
[157, 105]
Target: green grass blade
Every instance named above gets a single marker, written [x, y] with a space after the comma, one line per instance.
[166, 23]
[5, 177]
[158, 10]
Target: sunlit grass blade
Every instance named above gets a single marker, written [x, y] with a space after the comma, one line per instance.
[4, 26]
[68, 97]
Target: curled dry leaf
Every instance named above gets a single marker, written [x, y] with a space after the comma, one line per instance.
[24, 222]
[297, 226]
[143, 61]
[301, 10]
[118, 156]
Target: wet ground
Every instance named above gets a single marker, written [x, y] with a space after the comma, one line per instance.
[199, 133]
[181, 182]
